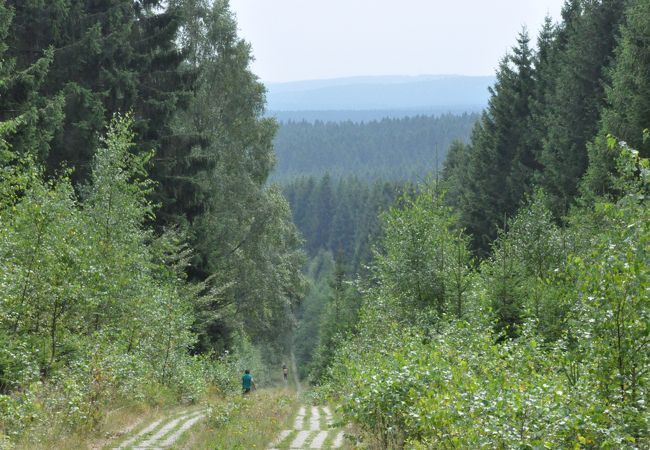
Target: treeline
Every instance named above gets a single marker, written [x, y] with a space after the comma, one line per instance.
[508, 305]
[339, 219]
[368, 115]
[329, 311]
[551, 110]
[389, 149]
[131, 261]
[340, 215]
[183, 72]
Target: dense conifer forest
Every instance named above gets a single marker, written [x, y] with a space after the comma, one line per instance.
[387, 149]
[147, 257]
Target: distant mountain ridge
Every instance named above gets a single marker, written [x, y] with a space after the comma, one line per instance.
[290, 86]
[369, 115]
[401, 95]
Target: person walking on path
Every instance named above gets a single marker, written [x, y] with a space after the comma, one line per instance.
[247, 382]
[285, 373]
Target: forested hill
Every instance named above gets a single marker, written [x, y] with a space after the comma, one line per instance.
[441, 92]
[393, 149]
[341, 215]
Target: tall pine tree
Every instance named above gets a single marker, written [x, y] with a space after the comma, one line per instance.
[107, 56]
[586, 42]
[31, 119]
[501, 159]
[627, 112]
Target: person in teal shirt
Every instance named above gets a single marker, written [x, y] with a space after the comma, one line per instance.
[247, 382]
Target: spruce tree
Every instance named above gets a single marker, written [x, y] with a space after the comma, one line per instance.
[107, 56]
[627, 112]
[590, 31]
[164, 86]
[30, 119]
[323, 213]
[341, 239]
[454, 173]
[545, 63]
[501, 161]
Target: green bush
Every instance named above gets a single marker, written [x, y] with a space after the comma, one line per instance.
[94, 308]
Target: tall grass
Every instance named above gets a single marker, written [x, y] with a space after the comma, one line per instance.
[238, 423]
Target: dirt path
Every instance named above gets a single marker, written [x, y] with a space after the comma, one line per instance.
[312, 428]
[294, 371]
[162, 433]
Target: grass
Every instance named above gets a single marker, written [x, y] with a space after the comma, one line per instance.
[117, 420]
[55, 436]
[243, 423]
[234, 423]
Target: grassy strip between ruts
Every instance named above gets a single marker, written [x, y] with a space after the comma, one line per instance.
[238, 423]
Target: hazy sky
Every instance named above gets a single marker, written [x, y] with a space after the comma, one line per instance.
[314, 39]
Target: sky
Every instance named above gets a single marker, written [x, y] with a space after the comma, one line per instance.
[318, 39]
